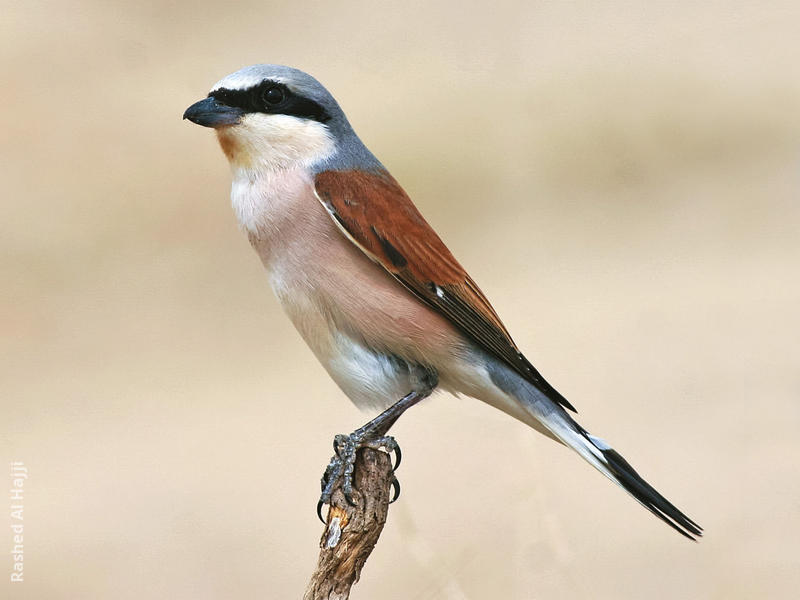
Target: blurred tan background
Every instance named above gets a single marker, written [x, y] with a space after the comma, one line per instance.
[621, 178]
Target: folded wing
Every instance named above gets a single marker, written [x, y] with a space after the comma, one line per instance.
[374, 212]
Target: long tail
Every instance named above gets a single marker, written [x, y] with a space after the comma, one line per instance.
[611, 464]
[547, 416]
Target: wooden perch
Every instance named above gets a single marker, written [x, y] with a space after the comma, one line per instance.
[352, 531]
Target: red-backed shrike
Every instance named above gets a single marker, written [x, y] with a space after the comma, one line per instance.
[381, 301]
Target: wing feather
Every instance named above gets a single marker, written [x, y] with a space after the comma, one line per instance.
[374, 212]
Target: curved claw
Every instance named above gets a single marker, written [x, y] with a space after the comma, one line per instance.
[396, 488]
[349, 497]
[320, 504]
[399, 456]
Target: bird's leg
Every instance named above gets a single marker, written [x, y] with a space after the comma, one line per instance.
[371, 435]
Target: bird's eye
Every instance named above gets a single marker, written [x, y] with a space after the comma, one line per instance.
[273, 96]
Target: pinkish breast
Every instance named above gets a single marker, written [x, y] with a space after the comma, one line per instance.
[325, 282]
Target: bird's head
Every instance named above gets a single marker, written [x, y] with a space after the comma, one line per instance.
[270, 117]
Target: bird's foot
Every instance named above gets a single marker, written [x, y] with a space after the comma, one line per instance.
[371, 435]
[342, 464]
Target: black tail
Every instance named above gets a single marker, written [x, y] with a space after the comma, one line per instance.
[628, 478]
[550, 418]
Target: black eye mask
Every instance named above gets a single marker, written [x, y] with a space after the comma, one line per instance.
[271, 97]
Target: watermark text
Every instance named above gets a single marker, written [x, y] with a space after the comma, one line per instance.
[19, 477]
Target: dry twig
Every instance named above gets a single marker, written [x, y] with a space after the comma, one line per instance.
[352, 531]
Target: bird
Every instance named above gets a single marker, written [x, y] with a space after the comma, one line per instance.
[381, 301]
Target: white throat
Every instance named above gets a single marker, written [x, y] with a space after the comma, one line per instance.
[269, 157]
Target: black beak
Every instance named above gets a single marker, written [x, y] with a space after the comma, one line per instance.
[212, 113]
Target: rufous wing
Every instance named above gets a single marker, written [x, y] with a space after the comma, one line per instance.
[376, 214]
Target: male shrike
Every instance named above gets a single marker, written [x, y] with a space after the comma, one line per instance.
[371, 288]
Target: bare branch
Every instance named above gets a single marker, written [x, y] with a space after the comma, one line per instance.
[352, 531]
